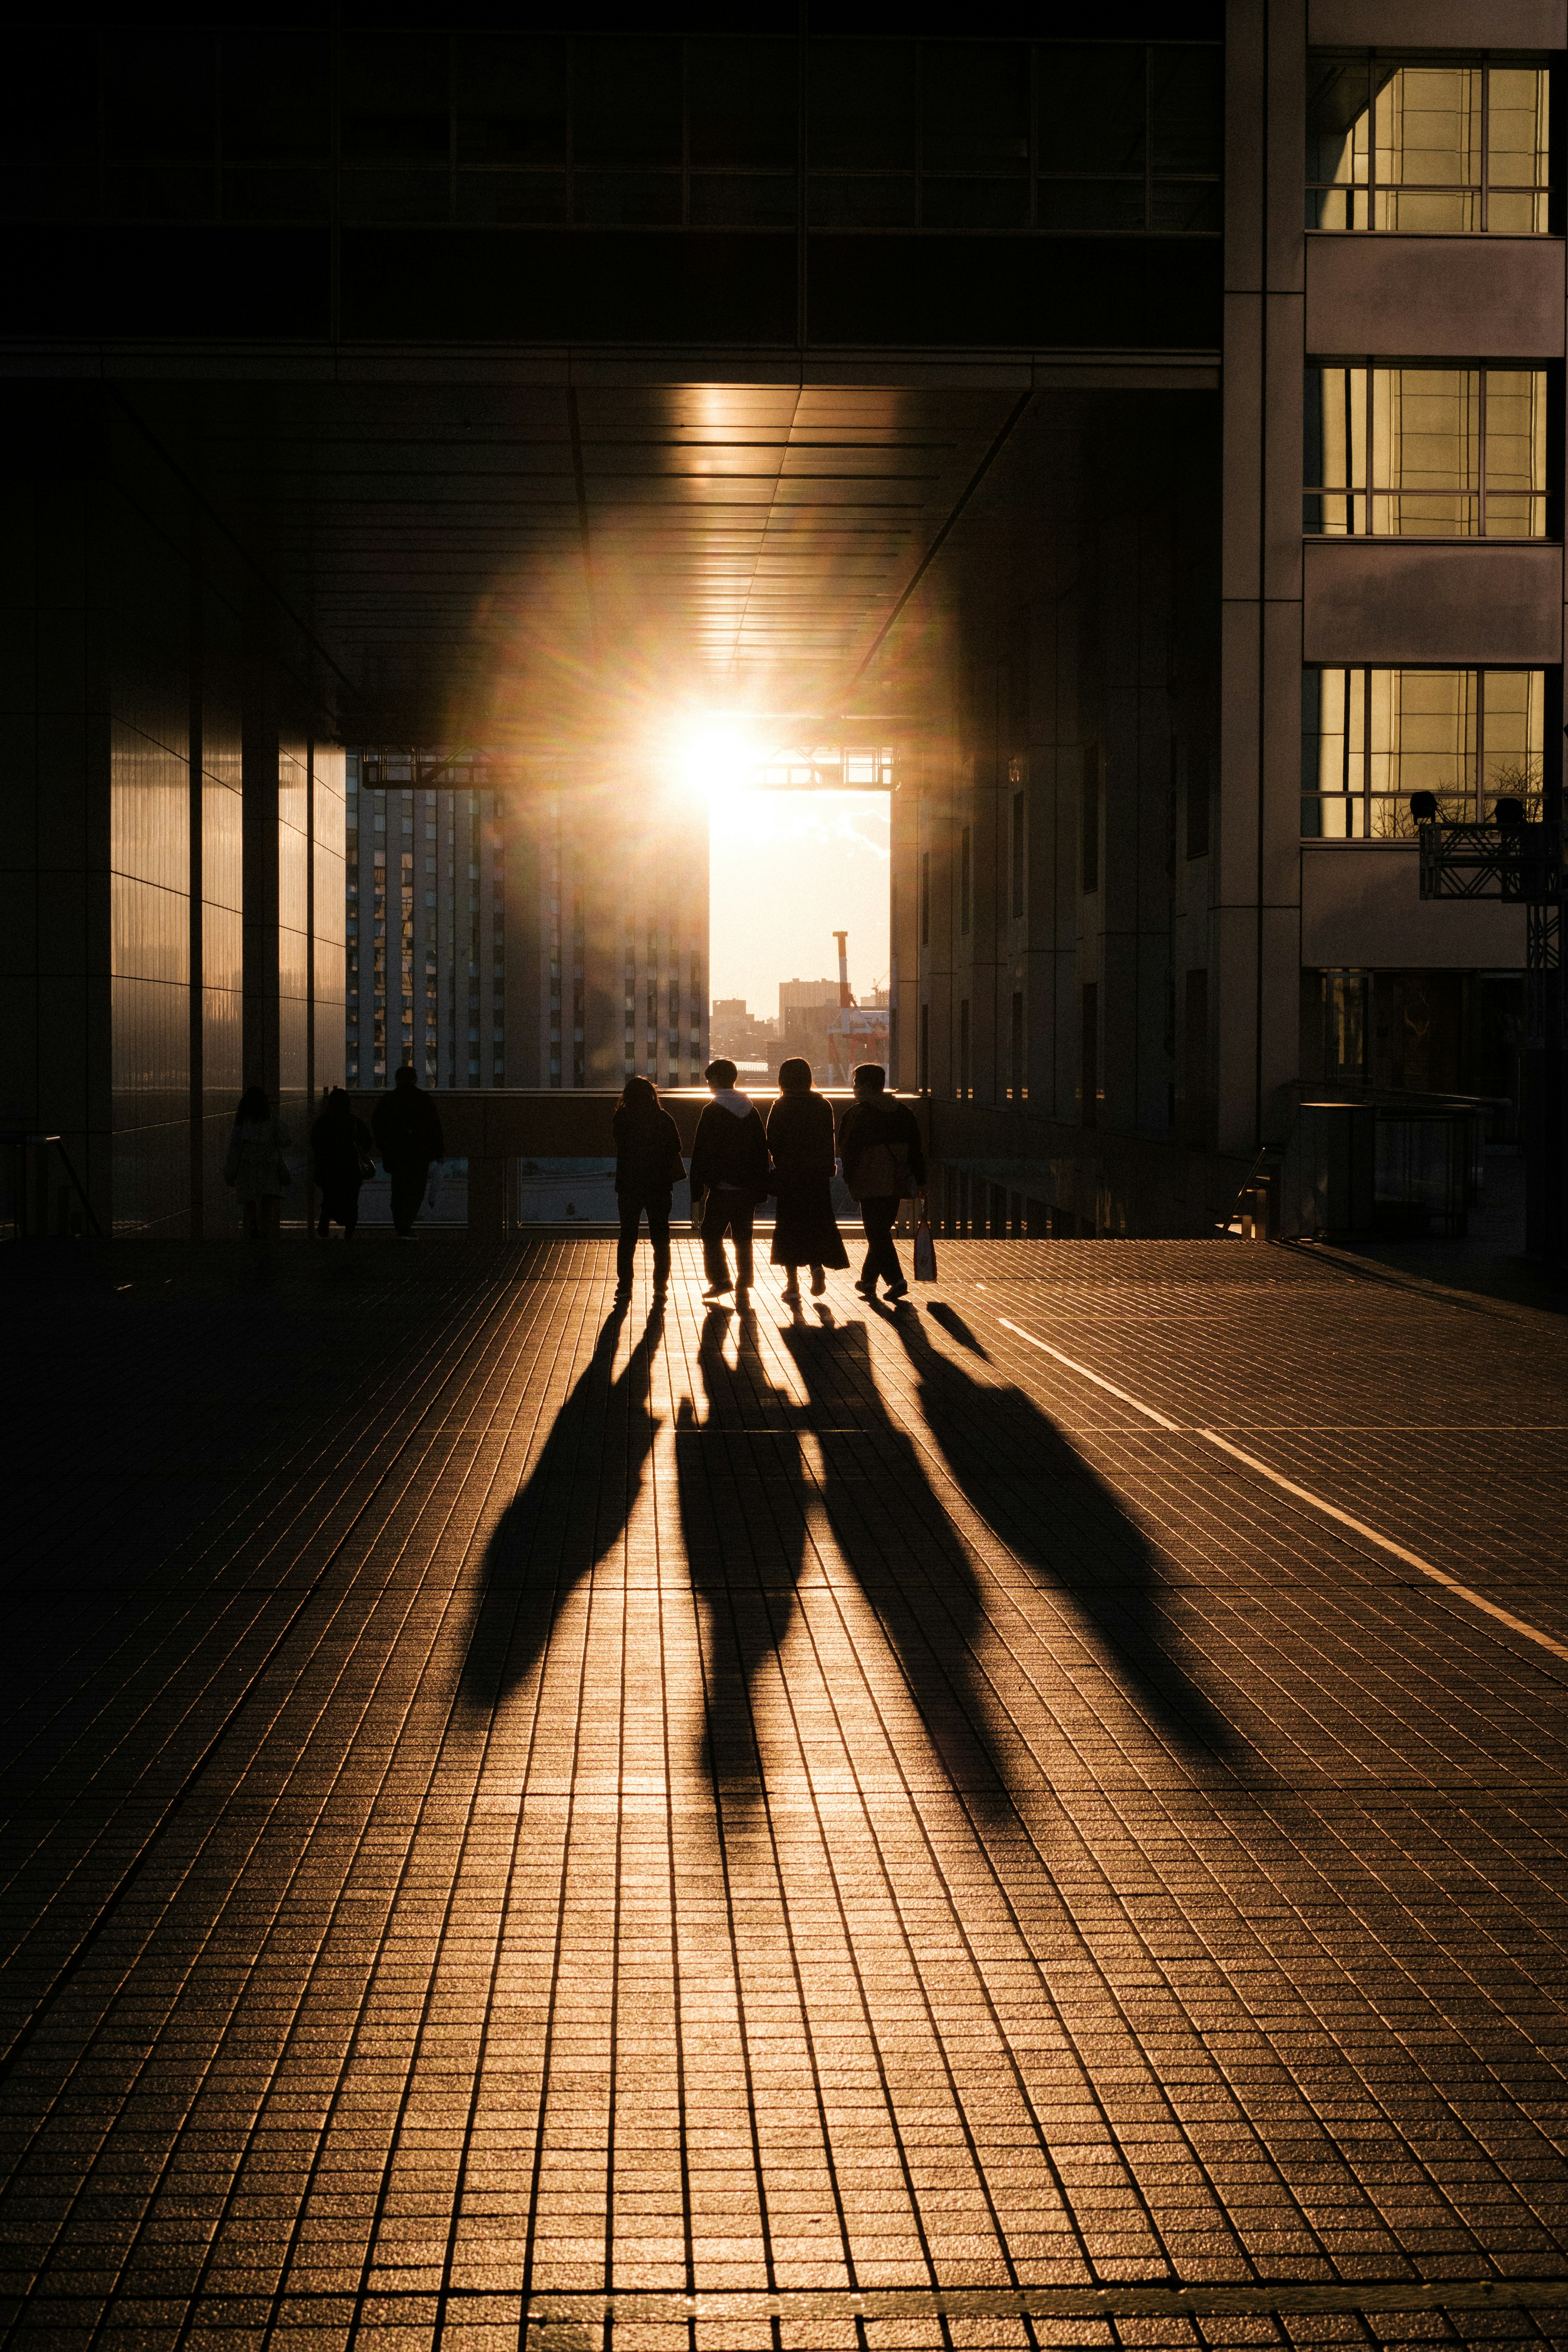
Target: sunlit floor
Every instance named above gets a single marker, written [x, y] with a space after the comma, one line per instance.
[534, 1823]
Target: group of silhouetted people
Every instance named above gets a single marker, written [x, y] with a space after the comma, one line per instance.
[404, 1129]
[736, 1163]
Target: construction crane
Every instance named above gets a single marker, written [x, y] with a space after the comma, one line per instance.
[862, 1031]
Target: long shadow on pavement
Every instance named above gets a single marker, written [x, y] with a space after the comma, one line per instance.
[1061, 1523]
[573, 1507]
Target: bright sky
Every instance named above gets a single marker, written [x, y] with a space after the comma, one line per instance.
[787, 871]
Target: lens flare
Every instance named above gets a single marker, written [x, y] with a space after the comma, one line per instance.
[717, 757]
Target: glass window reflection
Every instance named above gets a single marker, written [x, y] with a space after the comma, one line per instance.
[1426, 453]
[1370, 738]
[1437, 150]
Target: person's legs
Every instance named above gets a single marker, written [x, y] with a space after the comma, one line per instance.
[630, 1207]
[741, 1214]
[881, 1257]
[351, 1213]
[270, 1206]
[818, 1282]
[252, 1220]
[408, 1191]
[715, 1221]
[658, 1235]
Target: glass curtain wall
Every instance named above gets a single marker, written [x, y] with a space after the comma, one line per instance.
[1370, 738]
[1427, 453]
[1430, 150]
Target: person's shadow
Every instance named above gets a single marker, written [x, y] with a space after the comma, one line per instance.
[743, 1516]
[1064, 1526]
[571, 1508]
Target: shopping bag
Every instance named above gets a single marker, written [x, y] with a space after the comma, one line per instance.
[925, 1249]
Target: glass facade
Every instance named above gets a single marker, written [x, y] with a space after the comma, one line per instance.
[1425, 452]
[1370, 738]
[642, 132]
[149, 933]
[1438, 149]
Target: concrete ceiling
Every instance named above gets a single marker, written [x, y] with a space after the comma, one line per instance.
[533, 564]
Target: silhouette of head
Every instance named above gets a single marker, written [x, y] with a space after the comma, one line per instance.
[869, 1079]
[639, 1095]
[406, 1073]
[254, 1104]
[794, 1076]
[719, 1074]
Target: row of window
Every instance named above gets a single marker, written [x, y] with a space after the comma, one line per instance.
[739, 103]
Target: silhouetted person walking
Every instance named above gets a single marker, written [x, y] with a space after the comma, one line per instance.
[729, 1164]
[800, 1141]
[255, 1165]
[648, 1166]
[879, 1144]
[408, 1137]
[340, 1161]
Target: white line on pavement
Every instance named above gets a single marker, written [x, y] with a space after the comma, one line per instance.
[1304, 1495]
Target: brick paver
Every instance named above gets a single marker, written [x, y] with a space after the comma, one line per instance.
[510, 1804]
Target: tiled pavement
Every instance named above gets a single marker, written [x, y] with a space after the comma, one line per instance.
[508, 1804]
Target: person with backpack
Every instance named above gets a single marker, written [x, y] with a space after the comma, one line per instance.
[648, 1166]
[730, 1165]
[879, 1144]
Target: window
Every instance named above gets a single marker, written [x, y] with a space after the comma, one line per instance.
[1426, 453]
[1017, 856]
[1370, 738]
[965, 880]
[1344, 1028]
[925, 898]
[1090, 841]
[963, 1049]
[1018, 1089]
[1129, 138]
[925, 1049]
[1430, 150]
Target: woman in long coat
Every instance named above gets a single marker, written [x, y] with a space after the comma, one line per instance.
[800, 1142]
[341, 1151]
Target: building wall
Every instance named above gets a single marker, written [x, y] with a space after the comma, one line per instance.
[156, 829]
[1047, 910]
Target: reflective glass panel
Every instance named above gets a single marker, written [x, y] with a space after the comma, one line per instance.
[1370, 738]
[1426, 453]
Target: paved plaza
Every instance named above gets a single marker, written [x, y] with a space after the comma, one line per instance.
[530, 1824]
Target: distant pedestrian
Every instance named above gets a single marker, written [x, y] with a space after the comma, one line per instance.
[881, 1146]
[341, 1160]
[648, 1166]
[730, 1165]
[800, 1141]
[255, 1164]
[408, 1137]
